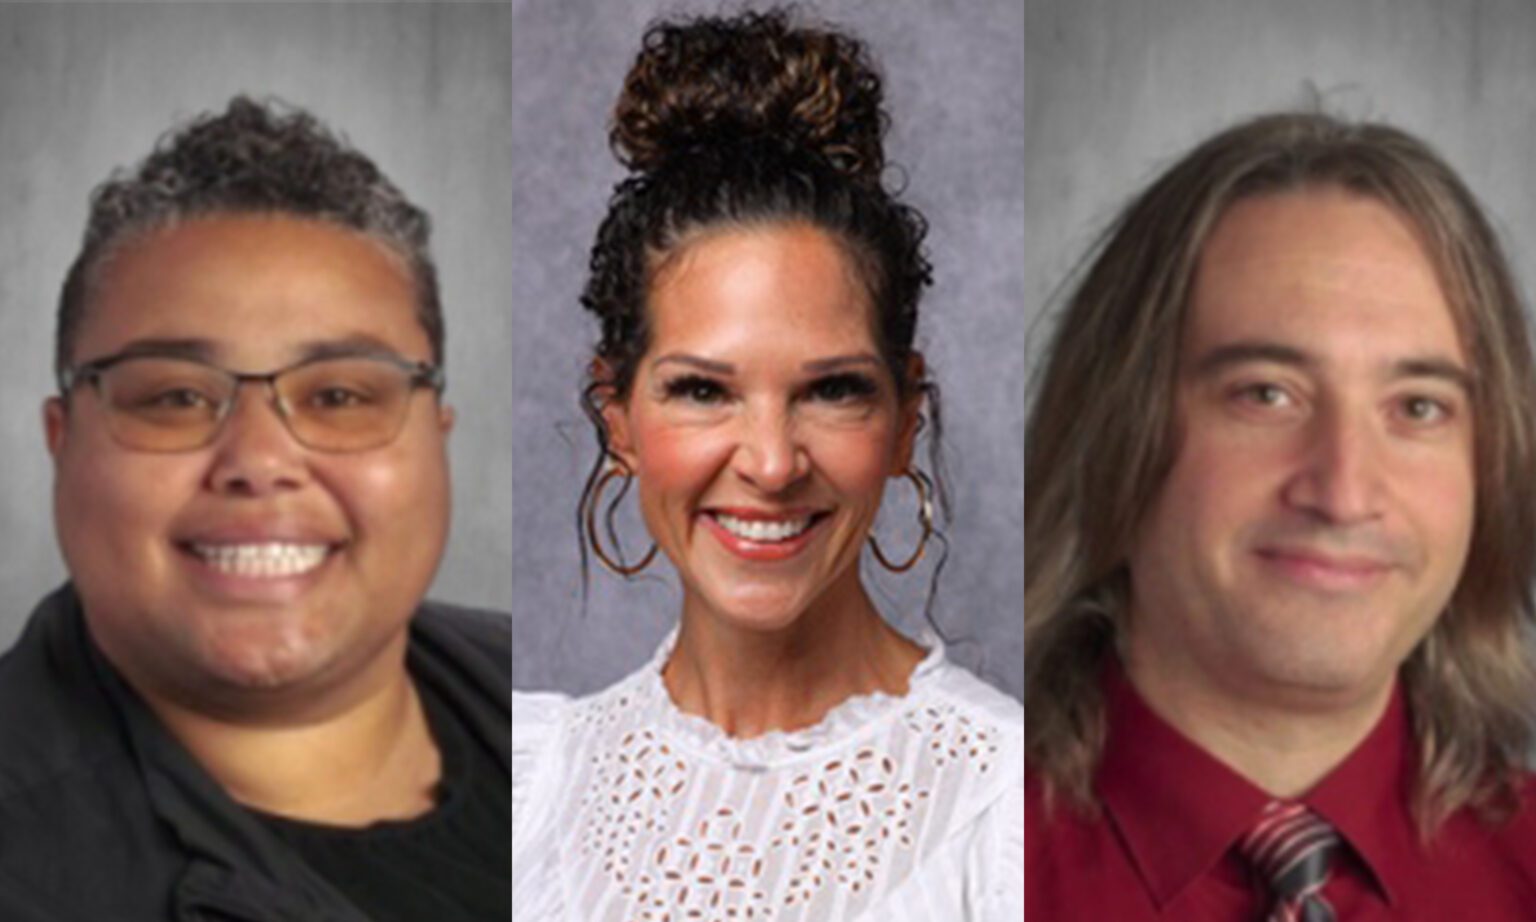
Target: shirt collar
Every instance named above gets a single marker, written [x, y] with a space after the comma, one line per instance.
[1179, 810]
[775, 747]
[1367, 798]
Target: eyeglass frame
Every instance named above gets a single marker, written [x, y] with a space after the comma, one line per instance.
[422, 375]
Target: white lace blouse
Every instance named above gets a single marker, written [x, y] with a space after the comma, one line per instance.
[625, 809]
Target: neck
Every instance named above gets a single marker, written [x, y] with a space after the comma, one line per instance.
[749, 682]
[1282, 748]
[370, 759]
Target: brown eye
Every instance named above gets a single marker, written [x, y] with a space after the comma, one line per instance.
[337, 398]
[1264, 394]
[178, 399]
[1425, 410]
[843, 388]
[695, 389]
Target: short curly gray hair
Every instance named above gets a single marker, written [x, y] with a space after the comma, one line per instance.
[262, 157]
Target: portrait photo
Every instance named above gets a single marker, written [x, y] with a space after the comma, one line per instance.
[1280, 480]
[767, 642]
[257, 517]
[953, 80]
[87, 89]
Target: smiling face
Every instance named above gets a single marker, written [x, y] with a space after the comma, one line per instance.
[1318, 513]
[762, 424]
[253, 565]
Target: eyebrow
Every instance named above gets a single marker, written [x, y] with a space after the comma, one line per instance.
[694, 361]
[358, 344]
[840, 362]
[815, 367]
[1244, 352]
[202, 349]
[207, 350]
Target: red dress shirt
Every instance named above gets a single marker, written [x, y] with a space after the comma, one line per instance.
[1163, 846]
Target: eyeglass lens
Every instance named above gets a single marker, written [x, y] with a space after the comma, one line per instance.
[342, 404]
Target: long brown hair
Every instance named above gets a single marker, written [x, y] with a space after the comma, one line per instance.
[1100, 442]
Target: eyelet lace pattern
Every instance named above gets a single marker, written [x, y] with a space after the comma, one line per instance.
[670, 820]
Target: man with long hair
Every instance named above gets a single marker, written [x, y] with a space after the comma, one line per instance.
[1280, 545]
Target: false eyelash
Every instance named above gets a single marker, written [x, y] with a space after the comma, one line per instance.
[691, 386]
[853, 386]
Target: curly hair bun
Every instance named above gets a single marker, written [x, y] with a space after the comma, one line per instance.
[755, 77]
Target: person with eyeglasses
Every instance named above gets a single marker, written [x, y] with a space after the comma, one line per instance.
[240, 707]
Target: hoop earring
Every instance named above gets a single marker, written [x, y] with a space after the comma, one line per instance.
[597, 545]
[924, 516]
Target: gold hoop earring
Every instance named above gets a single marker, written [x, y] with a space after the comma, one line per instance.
[924, 517]
[597, 545]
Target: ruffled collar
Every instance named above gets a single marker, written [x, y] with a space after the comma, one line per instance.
[760, 753]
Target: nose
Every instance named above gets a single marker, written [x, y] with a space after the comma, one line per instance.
[1339, 479]
[769, 454]
[255, 454]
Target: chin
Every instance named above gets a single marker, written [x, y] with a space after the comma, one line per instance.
[759, 610]
[1341, 673]
[262, 656]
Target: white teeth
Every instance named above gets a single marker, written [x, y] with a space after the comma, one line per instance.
[763, 530]
[271, 559]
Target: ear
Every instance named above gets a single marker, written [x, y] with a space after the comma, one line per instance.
[55, 425]
[446, 417]
[911, 416]
[614, 413]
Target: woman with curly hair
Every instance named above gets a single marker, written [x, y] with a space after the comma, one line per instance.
[786, 754]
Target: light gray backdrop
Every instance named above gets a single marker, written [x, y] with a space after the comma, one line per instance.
[421, 88]
[1119, 89]
[954, 79]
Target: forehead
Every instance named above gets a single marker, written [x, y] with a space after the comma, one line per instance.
[1325, 270]
[257, 287]
[760, 285]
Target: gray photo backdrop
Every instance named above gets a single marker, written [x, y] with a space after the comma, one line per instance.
[955, 89]
[1119, 89]
[422, 88]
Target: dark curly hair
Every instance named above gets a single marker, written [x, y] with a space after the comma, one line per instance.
[263, 157]
[746, 121]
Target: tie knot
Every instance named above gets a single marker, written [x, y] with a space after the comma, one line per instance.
[1291, 849]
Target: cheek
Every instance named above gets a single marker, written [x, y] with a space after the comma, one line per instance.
[854, 461]
[113, 515]
[373, 488]
[678, 459]
[1217, 485]
[107, 497]
[1442, 496]
[403, 490]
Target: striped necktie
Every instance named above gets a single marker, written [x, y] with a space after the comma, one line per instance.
[1291, 849]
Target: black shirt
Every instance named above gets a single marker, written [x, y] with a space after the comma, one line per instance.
[105, 816]
[449, 865]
